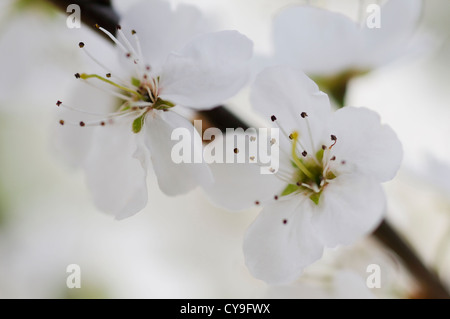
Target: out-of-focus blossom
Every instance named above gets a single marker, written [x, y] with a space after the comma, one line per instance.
[164, 62]
[331, 167]
[325, 43]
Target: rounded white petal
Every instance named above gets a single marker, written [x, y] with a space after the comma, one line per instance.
[286, 93]
[281, 241]
[115, 177]
[161, 29]
[349, 208]
[173, 179]
[239, 181]
[318, 41]
[366, 146]
[210, 69]
[399, 21]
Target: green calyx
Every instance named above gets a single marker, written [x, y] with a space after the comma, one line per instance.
[309, 173]
[160, 104]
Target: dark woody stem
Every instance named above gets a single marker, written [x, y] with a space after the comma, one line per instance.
[100, 12]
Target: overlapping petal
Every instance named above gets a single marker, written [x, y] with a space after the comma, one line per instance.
[281, 241]
[210, 69]
[173, 179]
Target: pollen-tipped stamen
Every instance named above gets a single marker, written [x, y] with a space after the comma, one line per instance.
[85, 76]
[296, 159]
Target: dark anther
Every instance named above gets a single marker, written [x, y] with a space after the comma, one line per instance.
[333, 158]
[343, 162]
[285, 221]
[133, 31]
[257, 203]
[118, 27]
[291, 136]
[304, 153]
[273, 118]
[58, 103]
[236, 150]
[334, 139]
[81, 44]
[108, 75]
[82, 124]
[303, 114]
[77, 75]
[102, 123]
[324, 147]
[276, 197]
[128, 55]
[61, 122]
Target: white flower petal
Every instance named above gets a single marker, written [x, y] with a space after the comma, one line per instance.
[318, 41]
[237, 185]
[161, 29]
[366, 146]
[116, 179]
[210, 69]
[277, 252]
[173, 179]
[350, 207]
[286, 93]
[399, 21]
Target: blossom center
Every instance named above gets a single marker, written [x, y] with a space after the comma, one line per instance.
[139, 95]
[312, 172]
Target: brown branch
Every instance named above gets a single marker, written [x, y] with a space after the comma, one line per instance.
[101, 12]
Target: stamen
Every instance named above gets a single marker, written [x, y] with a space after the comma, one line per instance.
[297, 161]
[59, 103]
[138, 46]
[334, 139]
[257, 203]
[86, 51]
[113, 38]
[275, 197]
[117, 94]
[61, 122]
[85, 76]
[311, 141]
[128, 44]
[285, 221]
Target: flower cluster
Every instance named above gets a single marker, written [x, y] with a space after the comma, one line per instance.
[327, 190]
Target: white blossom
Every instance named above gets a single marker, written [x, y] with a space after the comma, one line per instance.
[324, 43]
[327, 191]
[164, 62]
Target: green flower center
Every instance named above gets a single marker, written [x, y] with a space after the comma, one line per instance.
[312, 173]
